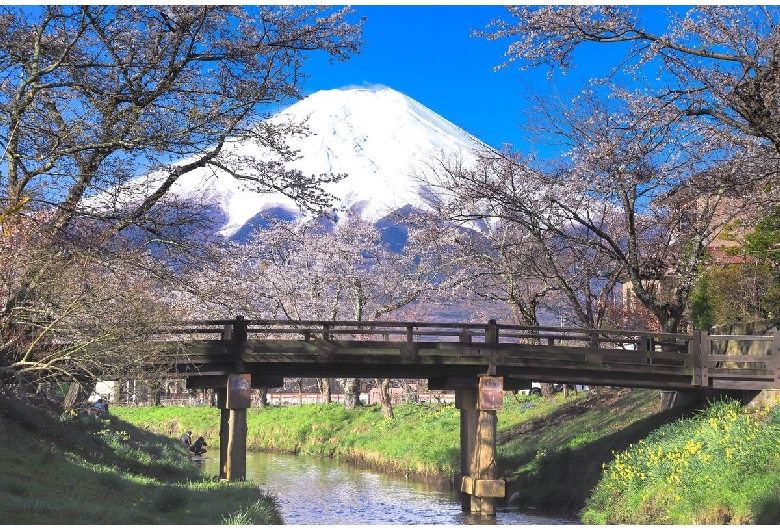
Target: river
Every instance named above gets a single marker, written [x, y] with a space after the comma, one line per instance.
[313, 490]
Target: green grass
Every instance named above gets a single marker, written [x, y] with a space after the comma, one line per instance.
[550, 449]
[717, 467]
[421, 440]
[69, 469]
[597, 452]
[613, 454]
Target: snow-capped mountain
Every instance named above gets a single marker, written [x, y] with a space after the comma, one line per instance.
[378, 136]
[383, 140]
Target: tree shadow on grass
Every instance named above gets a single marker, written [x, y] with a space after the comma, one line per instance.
[559, 476]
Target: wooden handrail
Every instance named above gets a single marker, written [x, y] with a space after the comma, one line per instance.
[595, 356]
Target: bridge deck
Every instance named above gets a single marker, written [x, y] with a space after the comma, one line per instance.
[451, 354]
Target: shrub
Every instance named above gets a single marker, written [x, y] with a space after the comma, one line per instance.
[169, 498]
[261, 512]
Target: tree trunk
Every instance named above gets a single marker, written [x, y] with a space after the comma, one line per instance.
[351, 388]
[154, 392]
[548, 389]
[323, 386]
[384, 397]
[77, 396]
[262, 398]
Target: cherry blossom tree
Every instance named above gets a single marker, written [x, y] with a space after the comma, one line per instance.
[316, 270]
[714, 62]
[94, 97]
[708, 81]
[538, 276]
[86, 315]
[640, 195]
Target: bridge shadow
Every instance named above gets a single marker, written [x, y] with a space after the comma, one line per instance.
[556, 473]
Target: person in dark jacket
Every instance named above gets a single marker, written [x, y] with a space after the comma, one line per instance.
[197, 448]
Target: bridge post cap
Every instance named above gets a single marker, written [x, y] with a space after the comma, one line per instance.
[483, 488]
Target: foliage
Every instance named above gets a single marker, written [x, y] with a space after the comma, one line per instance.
[261, 512]
[169, 498]
[650, 175]
[320, 270]
[764, 241]
[551, 450]
[714, 468]
[713, 62]
[316, 270]
[701, 304]
[735, 293]
[611, 212]
[421, 440]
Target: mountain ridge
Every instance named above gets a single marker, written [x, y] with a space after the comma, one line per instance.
[378, 136]
[382, 140]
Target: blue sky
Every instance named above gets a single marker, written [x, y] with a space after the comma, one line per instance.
[427, 53]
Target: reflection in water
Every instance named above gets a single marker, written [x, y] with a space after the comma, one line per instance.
[322, 491]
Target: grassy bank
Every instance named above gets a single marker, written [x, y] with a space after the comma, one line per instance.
[614, 457]
[551, 450]
[721, 466]
[613, 454]
[61, 468]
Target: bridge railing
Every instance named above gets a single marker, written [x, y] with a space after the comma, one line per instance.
[746, 362]
[433, 332]
[697, 359]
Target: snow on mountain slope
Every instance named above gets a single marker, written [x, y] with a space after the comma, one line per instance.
[378, 136]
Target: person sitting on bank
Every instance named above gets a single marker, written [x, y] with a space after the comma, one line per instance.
[197, 448]
[186, 439]
[101, 407]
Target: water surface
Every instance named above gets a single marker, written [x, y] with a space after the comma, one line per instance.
[313, 490]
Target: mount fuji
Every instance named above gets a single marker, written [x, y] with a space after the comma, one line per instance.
[382, 139]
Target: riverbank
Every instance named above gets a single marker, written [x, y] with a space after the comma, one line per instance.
[551, 450]
[612, 457]
[719, 466]
[61, 468]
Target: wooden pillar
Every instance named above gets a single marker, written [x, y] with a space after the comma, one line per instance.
[478, 407]
[236, 451]
[478, 481]
[698, 361]
[466, 402]
[224, 430]
[485, 468]
[239, 397]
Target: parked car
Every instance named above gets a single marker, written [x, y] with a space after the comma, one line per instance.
[536, 388]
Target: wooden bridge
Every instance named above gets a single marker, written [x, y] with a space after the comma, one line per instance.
[478, 361]
[451, 355]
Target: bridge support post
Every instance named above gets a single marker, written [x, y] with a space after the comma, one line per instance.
[486, 485]
[236, 450]
[478, 480]
[224, 431]
[238, 400]
[466, 402]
